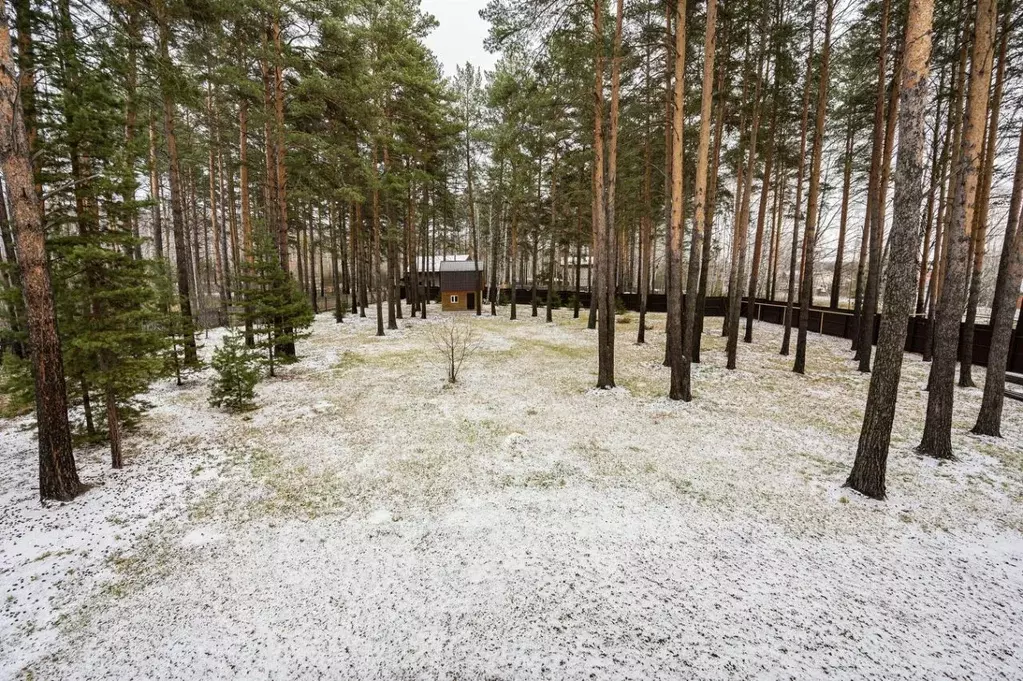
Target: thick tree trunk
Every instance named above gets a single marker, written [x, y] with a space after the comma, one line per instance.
[868, 473]
[937, 436]
[604, 246]
[675, 356]
[58, 477]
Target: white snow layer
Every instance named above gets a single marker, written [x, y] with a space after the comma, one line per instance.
[371, 522]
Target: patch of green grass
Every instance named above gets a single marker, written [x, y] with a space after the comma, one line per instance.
[485, 432]
[537, 348]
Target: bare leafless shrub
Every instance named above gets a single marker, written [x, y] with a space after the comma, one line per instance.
[456, 340]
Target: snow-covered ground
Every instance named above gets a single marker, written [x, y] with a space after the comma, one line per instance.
[370, 522]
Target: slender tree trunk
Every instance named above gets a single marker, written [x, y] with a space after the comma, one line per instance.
[877, 221]
[177, 200]
[243, 183]
[513, 257]
[758, 241]
[646, 220]
[989, 421]
[696, 248]
[937, 436]
[981, 214]
[810, 235]
[742, 223]
[554, 235]
[868, 473]
[708, 222]
[374, 272]
[937, 172]
[154, 191]
[800, 170]
[58, 477]
[836, 280]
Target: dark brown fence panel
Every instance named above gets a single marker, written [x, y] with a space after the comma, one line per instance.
[826, 321]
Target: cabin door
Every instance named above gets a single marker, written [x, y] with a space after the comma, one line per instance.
[470, 300]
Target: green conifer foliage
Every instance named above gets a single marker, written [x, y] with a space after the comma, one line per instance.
[237, 372]
[279, 312]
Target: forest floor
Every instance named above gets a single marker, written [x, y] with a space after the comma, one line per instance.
[370, 522]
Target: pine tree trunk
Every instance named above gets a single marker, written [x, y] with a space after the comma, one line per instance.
[877, 221]
[514, 246]
[646, 220]
[58, 477]
[737, 279]
[554, 233]
[810, 234]
[154, 191]
[981, 215]
[937, 436]
[868, 473]
[675, 355]
[177, 199]
[708, 223]
[758, 240]
[696, 247]
[604, 248]
[800, 170]
[937, 176]
[865, 311]
[836, 279]
[243, 184]
[989, 421]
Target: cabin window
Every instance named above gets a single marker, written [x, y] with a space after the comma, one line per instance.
[454, 299]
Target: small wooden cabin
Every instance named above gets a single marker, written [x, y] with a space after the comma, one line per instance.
[461, 281]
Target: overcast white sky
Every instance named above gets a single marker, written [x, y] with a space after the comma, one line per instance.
[459, 38]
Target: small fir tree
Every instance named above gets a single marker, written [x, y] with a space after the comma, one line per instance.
[277, 309]
[237, 373]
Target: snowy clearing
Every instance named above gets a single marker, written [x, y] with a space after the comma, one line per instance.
[369, 521]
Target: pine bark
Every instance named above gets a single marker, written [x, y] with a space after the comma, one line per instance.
[58, 477]
[1010, 277]
[675, 355]
[690, 326]
[869, 468]
[605, 245]
[981, 213]
[937, 436]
